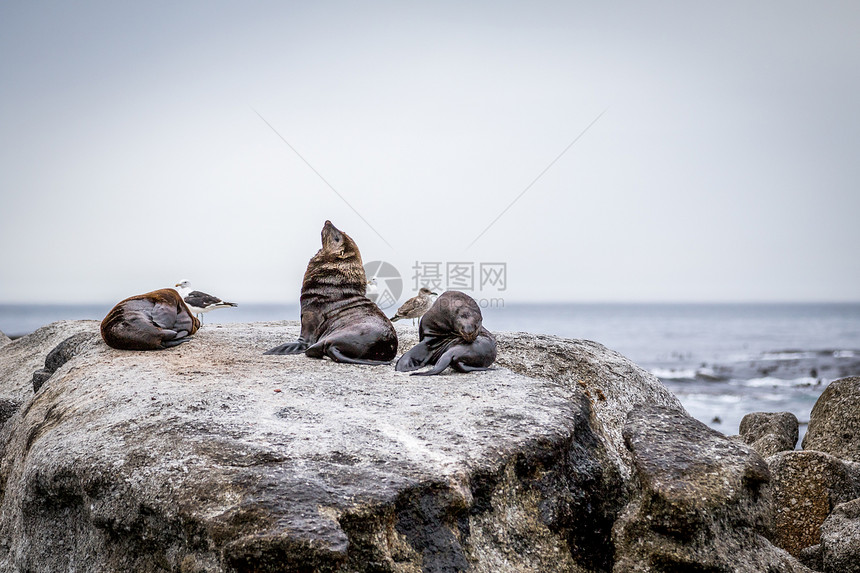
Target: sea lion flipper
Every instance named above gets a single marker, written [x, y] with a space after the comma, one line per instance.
[441, 364]
[417, 356]
[174, 342]
[296, 347]
[164, 315]
[466, 368]
[335, 354]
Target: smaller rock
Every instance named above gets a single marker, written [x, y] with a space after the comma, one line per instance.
[806, 487]
[770, 432]
[61, 354]
[840, 539]
[834, 424]
[705, 502]
[4, 339]
[811, 557]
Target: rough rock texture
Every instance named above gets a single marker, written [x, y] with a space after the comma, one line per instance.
[4, 339]
[211, 457]
[840, 539]
[770, 433]
[705, 503]
[807, 486]
[834, 424]
[20, 358]
[62, 353]
[611, 382]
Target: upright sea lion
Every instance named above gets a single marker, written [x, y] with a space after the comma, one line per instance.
[338, 320]
[452, 334]
[151, 321]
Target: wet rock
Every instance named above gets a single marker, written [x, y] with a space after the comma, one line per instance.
[705, 503]
[840, 539]
[834, 424]
[770, 433]
[807, 485]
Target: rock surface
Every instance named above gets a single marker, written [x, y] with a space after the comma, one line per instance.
[4, 339]
[770, 433]
[840, 539]
[20, 358]
[834, 424]
[211, 457]
[807, 486]
[705, 503]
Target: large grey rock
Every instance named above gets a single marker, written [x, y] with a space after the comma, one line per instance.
[769, 433]
[612, 383]
[705, 502]
[22, 357]
[213, 457]
[840, 539]
[807, 485]
[834, 423]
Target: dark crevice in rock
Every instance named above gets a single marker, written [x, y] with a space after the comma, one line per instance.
[62, 353]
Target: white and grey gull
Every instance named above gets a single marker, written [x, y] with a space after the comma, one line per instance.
[200, 302]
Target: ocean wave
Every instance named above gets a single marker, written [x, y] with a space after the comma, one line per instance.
[786, 355]
[672, 374]
[771, 382]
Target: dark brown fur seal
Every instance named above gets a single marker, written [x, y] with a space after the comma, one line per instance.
[338, 320]
[451, 334]
[151, 321]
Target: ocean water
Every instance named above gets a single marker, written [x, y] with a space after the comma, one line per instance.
[721, 360]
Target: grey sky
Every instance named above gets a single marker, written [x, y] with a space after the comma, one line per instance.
[725, 168]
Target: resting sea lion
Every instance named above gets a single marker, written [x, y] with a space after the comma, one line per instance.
[338, 320]
[451, 334]
[151, 321]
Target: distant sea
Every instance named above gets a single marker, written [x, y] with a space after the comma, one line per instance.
[721, 360]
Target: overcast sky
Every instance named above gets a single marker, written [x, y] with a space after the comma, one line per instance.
[144, 143]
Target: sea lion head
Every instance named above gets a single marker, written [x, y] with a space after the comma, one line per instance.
[468, 323]
[340, 257]
[336, 242]
[457, 313]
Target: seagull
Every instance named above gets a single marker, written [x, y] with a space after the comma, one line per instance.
[372, 291]
[200, 302]
[415, 307]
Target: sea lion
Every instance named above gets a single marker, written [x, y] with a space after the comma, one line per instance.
[415, 307]
[151, 321]
[452, 334]
[338, 320]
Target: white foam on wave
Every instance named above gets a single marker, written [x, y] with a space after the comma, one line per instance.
[785, 355]
[844, 354]
[672, 374]
[771, 382]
